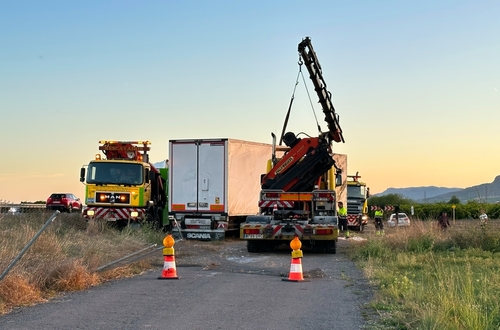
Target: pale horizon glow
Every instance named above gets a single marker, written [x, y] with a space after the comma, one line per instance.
[415, 85]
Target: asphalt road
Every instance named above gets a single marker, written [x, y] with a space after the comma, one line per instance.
[227, 288]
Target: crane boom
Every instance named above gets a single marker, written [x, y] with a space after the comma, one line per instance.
[304, 164]
[310, 60]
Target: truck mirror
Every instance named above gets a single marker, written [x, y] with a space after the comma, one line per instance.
[273, 156]
[338, 179]
[146, 175]
[367, 192]
[82, 174]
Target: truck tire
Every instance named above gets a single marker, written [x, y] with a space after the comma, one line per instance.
[118, 224]
[319, 247]
[154, 217]
[167, 228]
[253, 246]
[331, 247]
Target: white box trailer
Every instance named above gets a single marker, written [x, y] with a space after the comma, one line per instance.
[214, 184]
[341, 191]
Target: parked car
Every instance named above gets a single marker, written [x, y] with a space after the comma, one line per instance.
[64, 202]
[14, 211]
[403, 220]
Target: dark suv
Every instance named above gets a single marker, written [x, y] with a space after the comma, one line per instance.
[64, 202]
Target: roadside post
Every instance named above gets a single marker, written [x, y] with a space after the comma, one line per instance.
[453, 207]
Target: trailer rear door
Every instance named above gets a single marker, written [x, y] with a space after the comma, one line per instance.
[198, 175]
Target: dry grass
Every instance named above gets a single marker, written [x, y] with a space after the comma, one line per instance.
[65, 257]
[15, 290]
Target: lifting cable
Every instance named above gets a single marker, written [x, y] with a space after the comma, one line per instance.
[310, 102]
[300, 73]
[291, 101]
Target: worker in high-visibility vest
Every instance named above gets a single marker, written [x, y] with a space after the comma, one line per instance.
[379, 221]
[342, 214]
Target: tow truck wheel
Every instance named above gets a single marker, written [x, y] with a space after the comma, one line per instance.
[167, 228]
[154, 218]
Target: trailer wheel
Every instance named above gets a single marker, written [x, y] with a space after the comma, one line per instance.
[253, 246]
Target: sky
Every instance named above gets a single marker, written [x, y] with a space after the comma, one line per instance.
[416, 84]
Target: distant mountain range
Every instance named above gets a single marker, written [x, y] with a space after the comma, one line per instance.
[486, 192]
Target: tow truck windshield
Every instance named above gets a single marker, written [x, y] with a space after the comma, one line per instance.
[115, 173]
[356, 191]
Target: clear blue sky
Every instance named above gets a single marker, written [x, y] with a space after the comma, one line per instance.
[416, 83]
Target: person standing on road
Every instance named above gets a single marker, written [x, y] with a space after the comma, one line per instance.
[379, 221]
[443, 221]
[342, 213]
[483, 219]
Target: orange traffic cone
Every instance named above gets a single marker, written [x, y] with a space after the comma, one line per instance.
[296, 272]
[169, 270]
[296, 264]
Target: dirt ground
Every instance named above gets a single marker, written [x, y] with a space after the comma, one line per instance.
[231, 255]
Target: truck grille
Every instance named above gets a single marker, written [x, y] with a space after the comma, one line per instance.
[354, 208]
[112, 198]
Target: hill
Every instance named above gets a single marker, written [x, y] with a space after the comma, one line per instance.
[419, 193]
[486, 192]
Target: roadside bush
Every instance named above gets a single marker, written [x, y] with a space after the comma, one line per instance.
[484, 239]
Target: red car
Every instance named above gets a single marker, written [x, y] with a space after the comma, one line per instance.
[64, 202]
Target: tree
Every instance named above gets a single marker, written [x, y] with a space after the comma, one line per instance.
[389, 199]
[454, 200]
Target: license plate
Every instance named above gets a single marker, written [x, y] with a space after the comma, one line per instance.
[253, 236]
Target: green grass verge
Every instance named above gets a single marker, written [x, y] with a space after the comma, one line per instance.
[428, 279]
